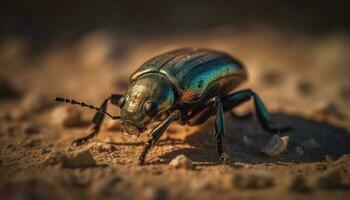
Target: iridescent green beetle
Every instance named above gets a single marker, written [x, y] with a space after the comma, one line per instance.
[185, 85]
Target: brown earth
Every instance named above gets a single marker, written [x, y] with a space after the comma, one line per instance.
[302, 80]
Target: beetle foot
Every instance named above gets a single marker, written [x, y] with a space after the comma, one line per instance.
[224, 158]
[79, 142]
[141, 161]
[146, 148]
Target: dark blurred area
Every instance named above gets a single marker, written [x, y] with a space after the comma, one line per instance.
[42, 20]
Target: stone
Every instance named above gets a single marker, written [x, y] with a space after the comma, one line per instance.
[253, 179]
[276, 146]
[80, 159]
[66, 116]
[104, 147]
[55, 157]
[181, 162]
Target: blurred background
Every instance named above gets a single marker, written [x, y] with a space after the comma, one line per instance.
[67, 20]
[283, 44]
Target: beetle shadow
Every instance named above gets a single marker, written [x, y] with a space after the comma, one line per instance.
[309, 141]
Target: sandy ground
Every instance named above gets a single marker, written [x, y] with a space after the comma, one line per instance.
[303, 81]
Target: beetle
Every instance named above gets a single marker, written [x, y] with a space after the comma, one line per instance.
[187, 85]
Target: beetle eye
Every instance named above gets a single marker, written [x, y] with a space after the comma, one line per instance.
[121, 102]
[151, 109]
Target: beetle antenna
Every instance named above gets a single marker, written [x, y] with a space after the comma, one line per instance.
[85, 105]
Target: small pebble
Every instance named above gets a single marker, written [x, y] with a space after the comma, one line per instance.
[105, 147]
[55, 157]
[66, 116]
[80, 159]
[155, 193]
[181, 162]
[276, 146]
[253, 180]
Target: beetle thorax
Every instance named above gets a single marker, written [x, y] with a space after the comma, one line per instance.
[148, 89]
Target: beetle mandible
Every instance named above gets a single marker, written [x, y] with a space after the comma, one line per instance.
[186, 85]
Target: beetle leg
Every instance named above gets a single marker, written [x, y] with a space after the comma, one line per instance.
[97, 120]
[219, 129]
[264, 118]
[200, 114]
[156, 133]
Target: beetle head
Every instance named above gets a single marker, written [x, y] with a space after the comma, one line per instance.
[147, 98]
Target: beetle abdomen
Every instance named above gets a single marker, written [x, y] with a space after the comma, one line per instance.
[195, 71]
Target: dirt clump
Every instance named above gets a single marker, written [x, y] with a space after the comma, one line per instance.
[181, 162]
